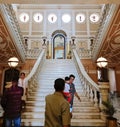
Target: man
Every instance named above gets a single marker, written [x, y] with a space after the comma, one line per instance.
[12, 104]
[57, 112]
[72, 90]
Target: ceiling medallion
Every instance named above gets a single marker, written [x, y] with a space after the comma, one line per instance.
[52, 18]
[24, 17]
[80, 18]
[66, 18]
[38, 17]
[94, 17]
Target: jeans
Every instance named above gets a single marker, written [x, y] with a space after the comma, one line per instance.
[16, 122]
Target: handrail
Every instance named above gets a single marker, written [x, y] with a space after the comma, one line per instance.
[83, 70]
[32, 53]
[38, 62]
[90, 88]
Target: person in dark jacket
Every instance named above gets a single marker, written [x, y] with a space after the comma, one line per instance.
[12, 104]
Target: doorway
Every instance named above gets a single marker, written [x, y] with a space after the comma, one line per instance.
[59, 46]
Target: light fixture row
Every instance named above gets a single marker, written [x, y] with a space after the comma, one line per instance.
[66, 18]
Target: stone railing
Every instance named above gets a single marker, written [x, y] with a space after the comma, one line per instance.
[95, 92]
[89, 86]
[85, 54]
[12, 25]
[32, 77]
[33, 53]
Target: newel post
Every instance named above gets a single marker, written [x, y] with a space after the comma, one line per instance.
[104, 95]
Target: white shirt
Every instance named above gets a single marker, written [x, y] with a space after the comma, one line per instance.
[23, 83]
[67, 87]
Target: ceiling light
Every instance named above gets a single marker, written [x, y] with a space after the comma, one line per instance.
[13, 62]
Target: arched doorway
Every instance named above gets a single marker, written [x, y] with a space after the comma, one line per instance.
[59, 44]
[59, 47]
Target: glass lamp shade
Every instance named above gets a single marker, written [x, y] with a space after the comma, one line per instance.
[13, 62]
[102, 62]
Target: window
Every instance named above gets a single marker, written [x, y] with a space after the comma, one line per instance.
[52, 18]
[24, 17]
[38, 17]
[66, 18]
[94, 18]
[80, 18]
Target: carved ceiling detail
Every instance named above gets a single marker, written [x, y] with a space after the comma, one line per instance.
[111, 46]
[7, 47]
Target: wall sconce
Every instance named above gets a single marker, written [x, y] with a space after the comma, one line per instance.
[102, 70]
[73, 39]
[13, 62]
[44, 40]
[91, 41]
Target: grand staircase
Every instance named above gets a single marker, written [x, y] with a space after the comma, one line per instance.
[84, 112]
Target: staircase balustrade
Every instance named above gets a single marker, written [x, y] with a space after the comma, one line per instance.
[33, 53]
[89, 86]
[91, 89]
[86, 54]
[32, 77]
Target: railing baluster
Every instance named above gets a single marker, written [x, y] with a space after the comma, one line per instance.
[95, 98]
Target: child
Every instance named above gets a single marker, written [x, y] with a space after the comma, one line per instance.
[66, 91]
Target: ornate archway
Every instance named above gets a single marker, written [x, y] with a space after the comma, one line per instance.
[59, 44]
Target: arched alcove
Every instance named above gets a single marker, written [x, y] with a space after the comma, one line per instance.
[59, 44]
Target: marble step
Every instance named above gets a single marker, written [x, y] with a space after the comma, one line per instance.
[39, 94]
[88, 123]
[83, 104]
[34, 109]
[85, 109]
[75, 109]
[31, 99]
[85, 115]
[74, 122]
[42, 103]
[32, 122]
[33, 115]
[30, 115]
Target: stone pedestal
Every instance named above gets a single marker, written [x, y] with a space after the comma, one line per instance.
[104, 94]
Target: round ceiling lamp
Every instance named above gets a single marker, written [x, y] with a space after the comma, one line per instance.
[102, 62]
[13, 62]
